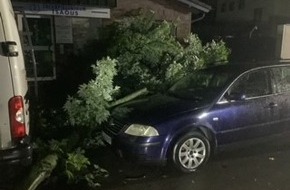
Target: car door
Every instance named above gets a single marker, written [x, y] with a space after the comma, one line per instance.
[281, 83]
[251, 112]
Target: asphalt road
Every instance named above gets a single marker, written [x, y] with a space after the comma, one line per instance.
[259, 166]
[263, 165]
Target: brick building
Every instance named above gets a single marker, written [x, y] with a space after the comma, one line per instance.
[180, 12]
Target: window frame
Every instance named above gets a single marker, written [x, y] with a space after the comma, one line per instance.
[268, 78]
[275, 82]
[223, 7]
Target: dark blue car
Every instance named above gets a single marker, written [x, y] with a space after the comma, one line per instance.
[203, 111]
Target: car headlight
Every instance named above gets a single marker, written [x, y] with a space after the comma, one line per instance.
[141, 130]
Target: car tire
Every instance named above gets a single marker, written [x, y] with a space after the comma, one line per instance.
[190, 152]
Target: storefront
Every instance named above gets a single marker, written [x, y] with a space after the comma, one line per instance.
[55, 33]
[50, 32]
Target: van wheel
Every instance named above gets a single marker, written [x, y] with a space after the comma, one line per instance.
[190, 152]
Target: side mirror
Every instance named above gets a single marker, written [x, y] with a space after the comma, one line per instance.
[235, 96]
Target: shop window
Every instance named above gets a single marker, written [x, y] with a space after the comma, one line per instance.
[224, 7]
[101, 3]
[241, 4]
[81, 2]
[42, 43]
[98, 3]
[258, 14]
[112, 3]
[232, 6]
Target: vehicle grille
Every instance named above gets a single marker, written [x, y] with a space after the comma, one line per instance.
[114, 127]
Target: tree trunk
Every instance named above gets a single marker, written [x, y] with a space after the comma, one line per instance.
[40, 172]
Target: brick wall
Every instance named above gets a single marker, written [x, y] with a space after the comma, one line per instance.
[169, 10]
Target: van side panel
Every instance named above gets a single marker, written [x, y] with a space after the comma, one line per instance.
[17, 62]
[6, 92]
[14, 75]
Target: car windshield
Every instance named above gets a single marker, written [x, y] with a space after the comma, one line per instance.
[201, 85]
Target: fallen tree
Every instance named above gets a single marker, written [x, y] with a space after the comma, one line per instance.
[145, 55]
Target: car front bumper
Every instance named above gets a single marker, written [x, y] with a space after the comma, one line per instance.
[143, 150]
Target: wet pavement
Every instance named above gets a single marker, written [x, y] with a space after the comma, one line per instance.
[262, 166]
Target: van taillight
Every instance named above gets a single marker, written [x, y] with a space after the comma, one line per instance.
[17, 121]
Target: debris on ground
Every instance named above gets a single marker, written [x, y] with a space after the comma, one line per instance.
[271, 158]
[133, 178]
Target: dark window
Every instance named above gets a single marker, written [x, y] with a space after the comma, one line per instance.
[241, 4]
[112, 3]
[80, 2]
[258, 14]
[252, 84]
[282, 79]
[232, 6]
[224, 7]
[99, 3]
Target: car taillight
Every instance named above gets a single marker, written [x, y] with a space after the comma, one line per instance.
[17, 119]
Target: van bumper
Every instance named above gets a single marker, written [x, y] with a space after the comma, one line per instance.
[22, 154]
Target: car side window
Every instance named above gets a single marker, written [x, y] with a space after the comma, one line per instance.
[281, 77]
[252, 84]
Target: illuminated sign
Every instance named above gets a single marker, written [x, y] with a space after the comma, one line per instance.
[62, 10]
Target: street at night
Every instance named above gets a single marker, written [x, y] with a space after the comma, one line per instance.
[93, 92]
[262, 166]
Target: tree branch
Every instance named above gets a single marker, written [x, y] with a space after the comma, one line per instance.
[129, 97]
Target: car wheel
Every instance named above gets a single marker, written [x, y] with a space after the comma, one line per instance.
[191, 152]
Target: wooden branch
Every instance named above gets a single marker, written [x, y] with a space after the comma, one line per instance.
[40, 172]
[129, 97]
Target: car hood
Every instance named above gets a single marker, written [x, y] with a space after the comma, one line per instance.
[154, 109]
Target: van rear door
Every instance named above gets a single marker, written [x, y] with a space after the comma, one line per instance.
[6, 92]
[13, 82]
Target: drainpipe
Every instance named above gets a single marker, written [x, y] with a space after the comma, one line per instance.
[198, 19]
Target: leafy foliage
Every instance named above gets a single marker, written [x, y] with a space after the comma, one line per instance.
[149, 55]
[72, 163]
[146, 55]
[196, 56]
[89, 107]
[216, 52]
[50, 122]
[144, 49]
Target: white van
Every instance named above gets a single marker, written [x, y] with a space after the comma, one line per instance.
[14, 114]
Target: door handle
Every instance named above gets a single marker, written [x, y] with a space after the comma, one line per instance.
[271, 105]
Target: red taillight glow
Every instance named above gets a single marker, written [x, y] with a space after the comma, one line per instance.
[16, 114]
